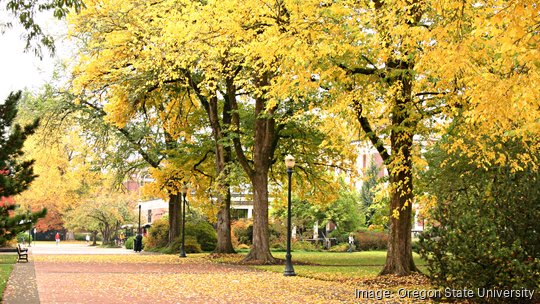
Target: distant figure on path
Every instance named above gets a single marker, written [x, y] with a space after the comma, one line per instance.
[351, 242]
[57, 238]
[87, 239]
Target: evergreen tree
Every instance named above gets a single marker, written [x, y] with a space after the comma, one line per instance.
[367, 192]
[15, 174]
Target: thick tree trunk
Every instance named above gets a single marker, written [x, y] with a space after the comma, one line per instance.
[260, 251]
[224, 242]
[265, 142]
[399, 259]
[174, 217]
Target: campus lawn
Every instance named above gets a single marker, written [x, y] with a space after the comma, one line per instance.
[6, 266]
[337, 265]
[330, 266]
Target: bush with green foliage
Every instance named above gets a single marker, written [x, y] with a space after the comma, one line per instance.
[191, 245]
[130, 242]
[343, 247]
[158, 234]
[204, 234]
[242, 232]
[345, 212]
[23, 237]
[487, 221]
[297, 245]
[200, 230]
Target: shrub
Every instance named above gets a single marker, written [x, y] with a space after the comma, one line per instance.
[24, 236]
[486, 235]
[204, 234]
[371, 240]
[242, 231]
[130, 242]
[305, 246]
[341, 236]
[343, 247]
[158, 235]
[191, 245]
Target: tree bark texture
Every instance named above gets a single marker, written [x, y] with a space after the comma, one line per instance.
[260, 251]
[175, 214]
[265, 143]
[223, 157]
[224, 242]
[399, 258]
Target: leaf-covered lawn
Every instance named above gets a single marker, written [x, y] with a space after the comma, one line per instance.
[196, 279]
[329, 265]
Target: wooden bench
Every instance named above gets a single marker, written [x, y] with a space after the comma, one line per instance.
[22, 253]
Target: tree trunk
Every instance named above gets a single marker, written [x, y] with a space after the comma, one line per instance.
[260, 251]
[266, 139]
[174, 217]
[94, 238]
[399, 259]
[224, 242]
[223, 158]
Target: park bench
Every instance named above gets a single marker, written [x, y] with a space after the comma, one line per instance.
[22, 253]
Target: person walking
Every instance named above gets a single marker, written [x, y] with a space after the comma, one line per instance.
[351, 242]
[57, 238]
[87, 239]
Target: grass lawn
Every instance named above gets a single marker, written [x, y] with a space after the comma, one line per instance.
[6, 266]
[337, 265]
[329, 265]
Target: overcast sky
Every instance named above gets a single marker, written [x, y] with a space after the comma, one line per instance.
[20, 70]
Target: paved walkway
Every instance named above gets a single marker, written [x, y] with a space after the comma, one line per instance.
[80, 274]
[22, 285]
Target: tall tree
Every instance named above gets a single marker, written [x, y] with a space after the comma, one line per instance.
[15, 174]
[405, 68]
[135, 92]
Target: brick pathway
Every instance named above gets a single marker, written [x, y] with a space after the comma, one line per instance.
[127, 278]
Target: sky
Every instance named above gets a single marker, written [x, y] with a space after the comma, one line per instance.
[20, 70]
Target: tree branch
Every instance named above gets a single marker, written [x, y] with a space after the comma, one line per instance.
[373, 138]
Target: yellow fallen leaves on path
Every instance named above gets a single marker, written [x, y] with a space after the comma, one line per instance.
[170, 279]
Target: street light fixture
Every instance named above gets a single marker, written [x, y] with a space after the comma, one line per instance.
[289, 270]
[183, 198]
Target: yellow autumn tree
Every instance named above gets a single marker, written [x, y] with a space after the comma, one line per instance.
[406, 69]
[64, 168]
[226, 55]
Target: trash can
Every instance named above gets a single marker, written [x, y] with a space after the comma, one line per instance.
[137, 245]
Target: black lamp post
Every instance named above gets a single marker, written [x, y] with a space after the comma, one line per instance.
[139, 228]
[137, 246]
[183, 198]
[289, 270]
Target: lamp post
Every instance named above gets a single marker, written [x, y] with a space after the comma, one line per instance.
[183, 197]
[139, 228]
[137, 246]
[289, 270]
